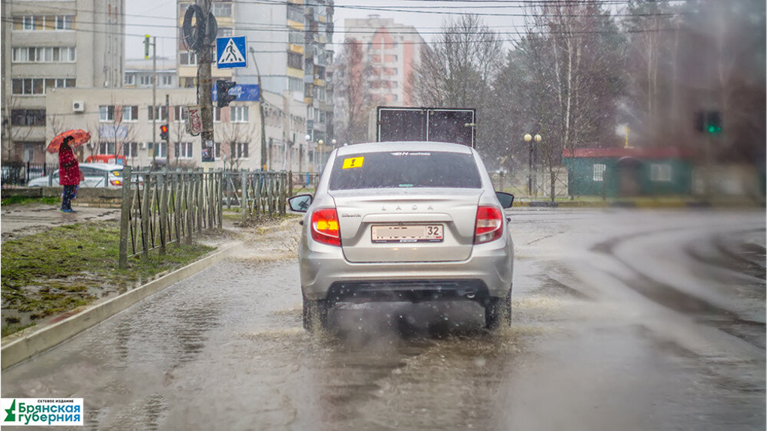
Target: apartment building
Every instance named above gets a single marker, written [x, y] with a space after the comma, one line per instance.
[48, 46]
[139, 73]
[390, 52]
[120, 122]
[290, 43]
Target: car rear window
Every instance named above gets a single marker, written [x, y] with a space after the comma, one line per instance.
[404, 170]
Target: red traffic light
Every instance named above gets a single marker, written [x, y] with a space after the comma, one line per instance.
[164, 128]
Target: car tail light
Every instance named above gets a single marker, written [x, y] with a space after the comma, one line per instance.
[489, 224]
[115, 182]
[325, 226]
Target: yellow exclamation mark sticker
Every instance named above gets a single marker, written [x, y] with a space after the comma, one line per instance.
[354, 162]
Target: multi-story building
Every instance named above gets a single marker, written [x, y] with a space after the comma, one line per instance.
[120, 122]
[391, 51]
[50, 45]
[288, 45]
[139, 73]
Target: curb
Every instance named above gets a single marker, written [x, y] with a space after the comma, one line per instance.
[39, 341]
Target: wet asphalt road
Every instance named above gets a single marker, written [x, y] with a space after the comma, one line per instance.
[624, 320]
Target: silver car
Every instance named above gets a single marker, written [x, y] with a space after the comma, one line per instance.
[94, 175]
[405, 221]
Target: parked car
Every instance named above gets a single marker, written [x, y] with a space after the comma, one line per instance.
[405, 221]
[95, 175]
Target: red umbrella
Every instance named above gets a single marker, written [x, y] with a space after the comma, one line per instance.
[80, 137]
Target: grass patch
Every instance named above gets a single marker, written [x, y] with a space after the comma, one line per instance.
[70, 266]
[25, 200]
[10, 329]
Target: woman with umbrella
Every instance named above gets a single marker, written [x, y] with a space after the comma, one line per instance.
[69, 169]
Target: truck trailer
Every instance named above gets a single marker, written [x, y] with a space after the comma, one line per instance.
[454, 125]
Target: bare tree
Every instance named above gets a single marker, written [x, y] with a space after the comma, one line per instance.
[354, 98]
[230, 135]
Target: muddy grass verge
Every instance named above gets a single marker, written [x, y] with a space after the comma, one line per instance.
[25, 200]
[55, 271]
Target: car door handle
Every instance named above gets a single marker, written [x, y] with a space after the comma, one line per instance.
[301, 222]
[509, 219]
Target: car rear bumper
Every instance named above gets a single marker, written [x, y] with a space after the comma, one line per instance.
[326, 274]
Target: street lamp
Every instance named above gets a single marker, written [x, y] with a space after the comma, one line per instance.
[530, 139]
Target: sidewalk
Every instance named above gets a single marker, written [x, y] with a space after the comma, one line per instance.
[21, 220]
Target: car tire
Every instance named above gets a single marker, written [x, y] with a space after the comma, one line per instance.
[315, 315]
[498, 311]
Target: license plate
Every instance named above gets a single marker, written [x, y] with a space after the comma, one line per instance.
[407, 233]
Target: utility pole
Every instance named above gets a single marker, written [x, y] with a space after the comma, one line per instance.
[168, 122]
[205, 81]
[261, 114]
[155, 111]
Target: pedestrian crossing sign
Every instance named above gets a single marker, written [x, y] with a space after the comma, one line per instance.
[230, 52]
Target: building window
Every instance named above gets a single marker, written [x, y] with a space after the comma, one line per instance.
[183, 150]
[166, 80]
[295, 60]
[179, 115]
[106, 148]
[130, 79]
[238, 114]
[146, 79]
[64, 22]
[188, 58]
[598, 171]
[29, 22]
[43, 22]
[28, 117]
[295, 84]
[296, 37]
[162, 150]
[162, 113]
[661, 172]
[222, 9]
[394, 97]
[130, 113]
[43, 55]
[295, 13]
[240, 150]
[217, 150]
[131, 149]
[225, 32]
[106, 114]
[188, 82]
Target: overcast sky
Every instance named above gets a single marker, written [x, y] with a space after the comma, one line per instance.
[158, 18]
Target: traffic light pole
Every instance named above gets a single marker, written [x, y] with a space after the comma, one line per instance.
[205, 83]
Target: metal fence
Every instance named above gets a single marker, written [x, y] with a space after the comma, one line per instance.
[20, 173]
[166, 207]
[303, 182]
[256, 193]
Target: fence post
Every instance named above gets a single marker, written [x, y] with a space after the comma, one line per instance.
[290, 183]
[25, 182]
[125, 214]
[163, 211]
[229, 189]
[145, 209]
[244, 194]
[187, 199]
[219, 206]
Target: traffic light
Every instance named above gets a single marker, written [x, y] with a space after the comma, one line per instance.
[164, 132]
[222, 92]
[709, 122]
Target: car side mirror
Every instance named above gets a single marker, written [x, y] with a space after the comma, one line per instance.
[505, 199]
[300, 203]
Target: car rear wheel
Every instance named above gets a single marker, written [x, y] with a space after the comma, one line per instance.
[498, 311]
[315, 316]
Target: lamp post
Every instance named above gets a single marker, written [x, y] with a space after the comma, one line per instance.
[530, 139]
